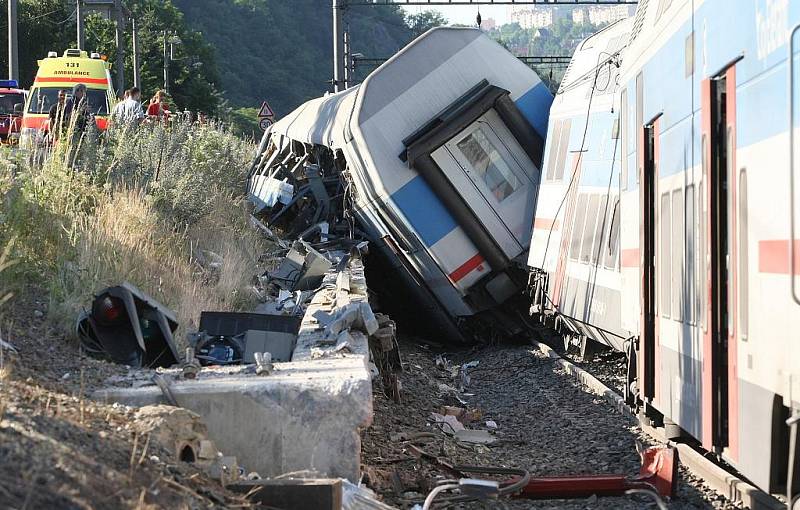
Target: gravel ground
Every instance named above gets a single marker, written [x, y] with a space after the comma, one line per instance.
[59, 449]
[546, 424]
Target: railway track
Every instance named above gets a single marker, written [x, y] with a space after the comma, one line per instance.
[553, 418]
[603, 373]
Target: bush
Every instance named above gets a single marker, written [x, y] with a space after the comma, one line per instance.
[151, 205]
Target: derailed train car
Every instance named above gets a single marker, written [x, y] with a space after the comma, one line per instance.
[435, 159]
[708, 210]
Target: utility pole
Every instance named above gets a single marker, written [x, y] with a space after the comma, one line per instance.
[13, 51]
[338, 43]
[120, 40]
[166, 64]
[79, 23]
[137, 79]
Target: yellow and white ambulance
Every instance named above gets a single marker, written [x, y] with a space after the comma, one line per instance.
[62, 73]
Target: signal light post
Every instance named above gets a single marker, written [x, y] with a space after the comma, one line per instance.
[129, 327]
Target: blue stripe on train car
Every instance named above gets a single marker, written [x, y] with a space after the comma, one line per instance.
[535, 106]
[424, 210]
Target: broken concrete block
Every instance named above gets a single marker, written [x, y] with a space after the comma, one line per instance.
[176, 429]
[304, 415]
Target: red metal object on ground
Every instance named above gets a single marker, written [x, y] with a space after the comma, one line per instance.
[658, 472]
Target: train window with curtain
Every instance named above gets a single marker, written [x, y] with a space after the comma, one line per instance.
[624, 136]
[612, 248]
[743, 256]
[487, 162]
[577, 227]
[679, 289]
[664, 257]
[589, 230]
[603, 219]
[689, 310]
[553, 155]
[563, 146]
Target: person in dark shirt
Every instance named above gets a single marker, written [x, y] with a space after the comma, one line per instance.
[56, 116]
[76, 110]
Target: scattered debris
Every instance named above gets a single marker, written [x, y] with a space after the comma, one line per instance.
[448, 423]
[230, 338]
[358, 497]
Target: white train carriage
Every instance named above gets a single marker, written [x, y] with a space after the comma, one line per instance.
[710, 213]
[575, 242]
[442, 147]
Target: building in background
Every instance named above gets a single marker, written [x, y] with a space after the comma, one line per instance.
[488, 24]
[537, 17]
[600, 15]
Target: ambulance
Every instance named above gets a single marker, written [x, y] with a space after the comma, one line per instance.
[12, 101]
[62, 73]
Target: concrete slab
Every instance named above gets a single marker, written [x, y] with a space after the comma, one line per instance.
[304, 415]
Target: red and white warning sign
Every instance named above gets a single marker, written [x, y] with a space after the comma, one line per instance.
[266, 111]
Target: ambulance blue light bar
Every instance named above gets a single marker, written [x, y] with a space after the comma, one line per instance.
[9, 84]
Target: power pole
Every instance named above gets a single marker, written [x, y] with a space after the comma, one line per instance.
[137, 79]
[13, 51]
[79, 23]
[119, 36]
[338, 44]
[166, 64]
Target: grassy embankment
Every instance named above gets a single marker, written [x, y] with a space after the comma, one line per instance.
[159, 207]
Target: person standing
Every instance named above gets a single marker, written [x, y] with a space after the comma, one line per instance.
[56, 116]
[76, 110]
[158, 108]
[129, 110]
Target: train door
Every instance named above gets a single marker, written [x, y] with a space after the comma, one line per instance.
[489, 167]
[648, 179]
[719, 349]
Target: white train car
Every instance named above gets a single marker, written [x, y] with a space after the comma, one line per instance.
[709, 203]
[441, 147]
[575, 241]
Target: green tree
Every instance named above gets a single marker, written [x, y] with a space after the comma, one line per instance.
[424, 21]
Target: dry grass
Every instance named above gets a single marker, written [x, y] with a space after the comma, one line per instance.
[146, 207]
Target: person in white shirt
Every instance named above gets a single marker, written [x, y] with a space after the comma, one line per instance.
[129, 110]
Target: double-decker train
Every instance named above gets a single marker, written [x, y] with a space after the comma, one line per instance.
[667, 224]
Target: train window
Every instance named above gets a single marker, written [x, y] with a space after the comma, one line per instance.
[624, 136]
[603, 219]
[743, 256]
[577, 228]
[562, 149]
[612, 249]
[663, 261]
[487, 162]
[553, 155]
[689, 312]
[678, 231]
[589, 229]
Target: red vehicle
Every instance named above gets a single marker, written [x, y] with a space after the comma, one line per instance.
[12, 105]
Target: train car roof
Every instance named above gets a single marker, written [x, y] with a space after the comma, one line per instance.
[413, 86]
[596, 61]
[319, 121]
